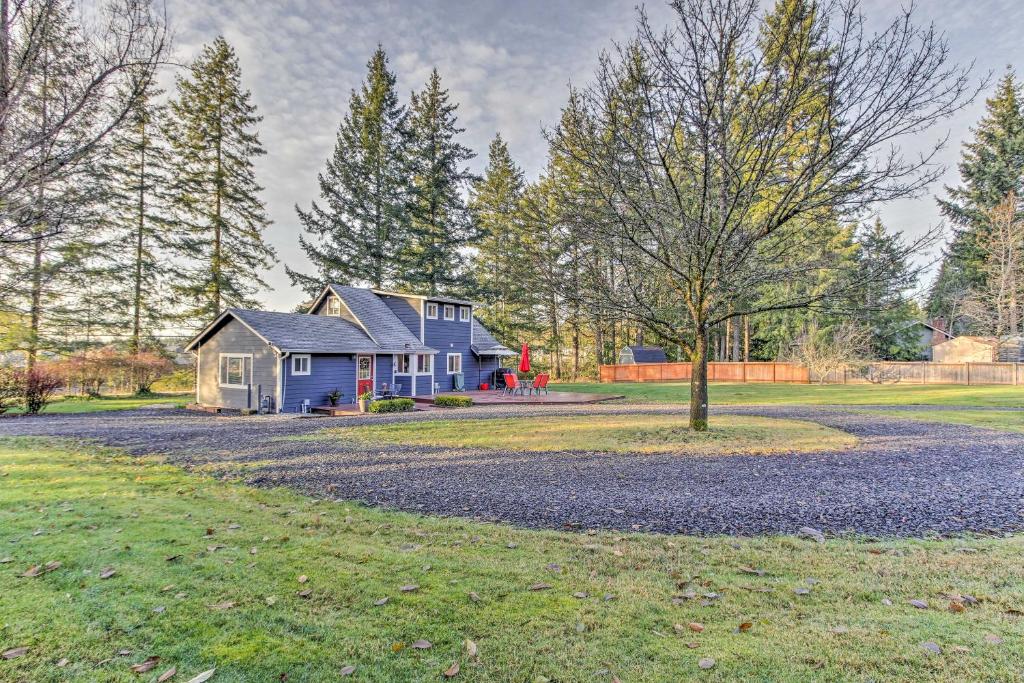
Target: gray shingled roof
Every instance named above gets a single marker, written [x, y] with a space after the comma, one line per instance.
[380, 321]
[648, 354]
[484, 344]
[301, 332]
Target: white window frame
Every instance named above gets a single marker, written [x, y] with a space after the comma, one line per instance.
[309, 363]
[334, 306]
[454, 355]
[398, 364]
[428, 364]
[464, 314]
[431, 306]
[449, 312]
[220, 365]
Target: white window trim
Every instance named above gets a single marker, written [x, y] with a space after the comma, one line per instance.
[464, 314]
[434, 306]
[309, 364]
[220, 363]
[409, 368]
[425, 373]
[337, 302]
[449, 308]
[448, 365]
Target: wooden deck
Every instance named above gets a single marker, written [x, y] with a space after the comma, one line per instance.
[495, 398]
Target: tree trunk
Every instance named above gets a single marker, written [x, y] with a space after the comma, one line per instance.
[699, 382]
[746, 339]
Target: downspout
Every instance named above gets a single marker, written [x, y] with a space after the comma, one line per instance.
[199, 358]
[282, 379]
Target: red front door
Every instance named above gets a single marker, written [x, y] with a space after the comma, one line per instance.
[364, 374]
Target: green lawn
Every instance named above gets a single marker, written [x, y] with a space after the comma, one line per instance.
[614, 433]
[829, 394]
[117, 402]
[208, 574]
[1008, 420]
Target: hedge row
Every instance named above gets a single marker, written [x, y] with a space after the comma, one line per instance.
[392, 405]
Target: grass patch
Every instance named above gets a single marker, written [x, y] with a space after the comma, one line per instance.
[116, 402]
[1006, 420]
[603, 604]
[814, 394]
[609, 433]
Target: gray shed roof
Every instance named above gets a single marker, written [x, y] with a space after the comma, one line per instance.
[484, 343]
[647, 354]
[379, 320]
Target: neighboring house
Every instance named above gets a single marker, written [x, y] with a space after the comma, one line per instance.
[930, 334]
[631, 355]
[970, 349]
[352, 339]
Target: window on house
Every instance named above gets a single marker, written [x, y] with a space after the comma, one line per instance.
[425, 363]
[454, 363]
[432, 311]
[300, 364]
[334, 306]
[235, 369]
[464, 314]
[449, 312]
[402, 364]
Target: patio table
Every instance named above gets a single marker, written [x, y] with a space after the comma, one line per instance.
[527, 386]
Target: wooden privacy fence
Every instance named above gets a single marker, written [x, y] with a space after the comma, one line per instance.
[717, 372]
[877, 373]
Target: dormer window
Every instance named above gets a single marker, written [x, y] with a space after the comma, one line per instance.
[464, 314]
[432, 311]
[449, 312]
[334, 306]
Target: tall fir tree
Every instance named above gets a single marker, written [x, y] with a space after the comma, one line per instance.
[439, 221]
[136, 175]
[501, 250]
[358, 231]
[991, 167]
[212, 130]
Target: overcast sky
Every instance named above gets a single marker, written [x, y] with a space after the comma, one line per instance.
[506, 62]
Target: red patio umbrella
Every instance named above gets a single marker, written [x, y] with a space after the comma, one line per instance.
[524, 359]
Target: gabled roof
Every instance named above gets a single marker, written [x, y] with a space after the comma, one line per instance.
[484, 344]
[300, 333]
[427, 297]
[377, 318]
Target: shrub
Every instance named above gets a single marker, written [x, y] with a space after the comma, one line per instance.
[10, 388]
[38, 386]
[453, 401]
[392, 405]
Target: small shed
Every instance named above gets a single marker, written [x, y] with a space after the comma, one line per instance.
[631, 355]
[966, 349]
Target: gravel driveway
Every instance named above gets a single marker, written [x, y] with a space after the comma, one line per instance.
[905, 478]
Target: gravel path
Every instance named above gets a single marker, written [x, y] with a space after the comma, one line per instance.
[905, 478]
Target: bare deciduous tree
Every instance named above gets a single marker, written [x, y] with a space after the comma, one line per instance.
[718, 152]
[994, 308]
[826, 351]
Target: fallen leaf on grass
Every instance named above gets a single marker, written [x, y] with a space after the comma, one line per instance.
[410, 588]
[62, 662]
[470, 648]
[51, 566]
[540, 586]
[167, 675]
[348, 670]
[397, 647]
[956, 606]
[203, 677]
[695, 626]
[474, 596]
[227, 604]
[919, 604]
[172, 558]
[14, 652]
[382, 601]
[107, 573]
[745, 626]
[752, 570]
[581, 595]
[993, 639]
[706, 663]
[802, 591]
[270, 600]
[452, 671]
[932, 647]
[6, 560]
[143, 667]
[303, 579]
[305, 593]
[33, 571]
[421, 644]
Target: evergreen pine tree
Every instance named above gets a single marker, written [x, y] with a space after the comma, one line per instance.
[135, 177]
[216, 200]
[501, 253]
[440, 223]
[359, 230]
[991, 167]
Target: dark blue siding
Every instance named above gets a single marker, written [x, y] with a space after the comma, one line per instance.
[487, 365]
[424, 385]
[405, 310]
[384, 370]
[327, 373]
[450, 336]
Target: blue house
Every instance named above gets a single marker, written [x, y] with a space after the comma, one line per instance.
[351, 340]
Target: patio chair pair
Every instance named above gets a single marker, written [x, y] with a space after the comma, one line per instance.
[514, 386]
[389, 391]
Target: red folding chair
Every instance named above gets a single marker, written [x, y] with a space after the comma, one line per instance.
[541, 383]
[512, 384]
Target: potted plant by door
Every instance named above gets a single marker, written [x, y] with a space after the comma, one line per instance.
[364, 400]
[334, 396]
